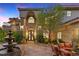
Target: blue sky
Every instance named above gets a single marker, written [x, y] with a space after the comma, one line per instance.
[8, 10]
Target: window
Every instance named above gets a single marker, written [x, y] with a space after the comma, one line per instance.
[59, 35]
[68, 13]
[46, 35]
[31, 20]
[39, 27]
[21, 27]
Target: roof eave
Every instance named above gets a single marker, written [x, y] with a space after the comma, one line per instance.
[71, 8]
[30, 9]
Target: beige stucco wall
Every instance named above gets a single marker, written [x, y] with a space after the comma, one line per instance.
[70, 32]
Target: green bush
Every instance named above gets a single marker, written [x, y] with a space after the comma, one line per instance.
[55, 41]
[18, 36]
[46, 40]
[2, 35]
[40, 38]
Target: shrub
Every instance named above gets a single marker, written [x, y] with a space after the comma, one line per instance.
[55, 41]
[40, 38]
[18, 36]
[46, 40]
[2, 35]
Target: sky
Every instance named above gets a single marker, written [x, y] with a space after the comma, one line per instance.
[9, 10]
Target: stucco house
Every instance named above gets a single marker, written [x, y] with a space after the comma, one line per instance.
[14, 24]
[69, 31]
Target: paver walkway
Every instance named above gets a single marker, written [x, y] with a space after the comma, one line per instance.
[35, 50]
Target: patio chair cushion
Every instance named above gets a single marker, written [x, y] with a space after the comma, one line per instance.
[61, 45]
[68, 45]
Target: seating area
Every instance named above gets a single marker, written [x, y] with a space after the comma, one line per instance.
[63, 49]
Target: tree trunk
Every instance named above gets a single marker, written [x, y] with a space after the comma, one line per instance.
[49, 36]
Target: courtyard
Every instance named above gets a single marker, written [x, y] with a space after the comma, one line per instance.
[41, 32]
[33, 49]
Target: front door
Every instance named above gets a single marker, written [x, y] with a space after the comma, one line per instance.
[31, 35]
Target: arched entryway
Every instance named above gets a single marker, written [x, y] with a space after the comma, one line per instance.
[30, 35]
[30, 26]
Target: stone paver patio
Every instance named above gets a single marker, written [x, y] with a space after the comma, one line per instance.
[36, 50]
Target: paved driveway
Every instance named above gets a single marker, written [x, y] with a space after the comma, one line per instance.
[35, 50]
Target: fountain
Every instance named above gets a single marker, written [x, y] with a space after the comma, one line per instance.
[10, 48]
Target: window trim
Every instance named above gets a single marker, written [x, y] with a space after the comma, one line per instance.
[31, 20]
[69, 13]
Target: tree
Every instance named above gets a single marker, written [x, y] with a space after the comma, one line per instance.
[55, 20]
[51, 19]
[41, 19]
[40, 26]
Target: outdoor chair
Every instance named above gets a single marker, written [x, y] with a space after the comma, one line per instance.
[55, 50]
[62, 49]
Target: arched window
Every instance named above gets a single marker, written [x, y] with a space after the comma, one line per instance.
[30, 20]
